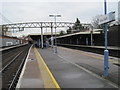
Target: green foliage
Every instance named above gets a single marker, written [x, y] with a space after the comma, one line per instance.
[76, 28]
[69, 31]
[62, 33]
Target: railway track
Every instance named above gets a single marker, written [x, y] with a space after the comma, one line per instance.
[11, 54]
[12, 66]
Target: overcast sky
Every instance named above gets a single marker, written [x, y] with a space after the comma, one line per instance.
[15, 11]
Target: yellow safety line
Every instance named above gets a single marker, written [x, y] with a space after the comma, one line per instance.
[52, 77]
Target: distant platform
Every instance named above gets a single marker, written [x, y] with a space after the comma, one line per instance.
[113, 50]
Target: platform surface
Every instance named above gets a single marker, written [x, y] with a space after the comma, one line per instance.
[92, 61]
[66, 68]
[31, 77]
[70, 69]
[100, 47]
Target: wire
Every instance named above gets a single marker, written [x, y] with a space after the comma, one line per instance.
[4, 18]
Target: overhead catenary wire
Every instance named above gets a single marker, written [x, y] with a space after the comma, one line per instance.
[4, 19]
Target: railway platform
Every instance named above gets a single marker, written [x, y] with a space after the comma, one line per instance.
[67, 69]
[30, 76]
[113, 50]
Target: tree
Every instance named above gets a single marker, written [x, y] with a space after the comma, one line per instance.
[62, 33]
[95, 22]
[69, 31]
[77, 26]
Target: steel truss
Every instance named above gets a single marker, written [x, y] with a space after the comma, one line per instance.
[38, 25]
[21, 26]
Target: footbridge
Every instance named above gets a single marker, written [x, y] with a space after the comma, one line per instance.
[41, 25]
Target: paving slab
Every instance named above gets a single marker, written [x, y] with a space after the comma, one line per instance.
[32, 76]
[68, 75]
[93, 62]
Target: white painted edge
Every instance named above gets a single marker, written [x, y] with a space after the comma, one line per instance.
[23, 70]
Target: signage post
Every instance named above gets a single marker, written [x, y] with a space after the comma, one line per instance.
[104, 20]
[106, 52]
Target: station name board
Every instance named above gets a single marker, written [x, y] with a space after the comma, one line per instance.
[107, 18]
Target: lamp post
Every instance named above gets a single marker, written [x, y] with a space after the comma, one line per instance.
[106, 52]
[55, 16]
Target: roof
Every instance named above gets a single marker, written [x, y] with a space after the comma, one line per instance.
[48, 33]
[82, 33]
[8, 37]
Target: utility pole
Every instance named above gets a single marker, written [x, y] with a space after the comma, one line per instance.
[52, 34]
[41, 36]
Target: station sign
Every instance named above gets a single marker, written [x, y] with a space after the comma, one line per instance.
[107, 18]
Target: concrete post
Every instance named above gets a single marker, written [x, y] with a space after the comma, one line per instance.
[86, 41]
[91, 37]
[41, 37]
[51, 35]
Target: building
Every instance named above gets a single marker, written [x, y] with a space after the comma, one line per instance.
[8, 41]
[95, 38]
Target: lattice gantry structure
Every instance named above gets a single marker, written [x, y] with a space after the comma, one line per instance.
[21, 26]
[41, 25]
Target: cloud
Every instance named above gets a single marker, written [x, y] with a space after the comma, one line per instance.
[20, 12]
[29, 11]
[57, 1]
[39, 11]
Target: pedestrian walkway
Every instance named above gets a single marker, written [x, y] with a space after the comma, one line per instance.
[70, 75]
[31, 75]
[35, 73]
[92, 62]
[45, 69]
